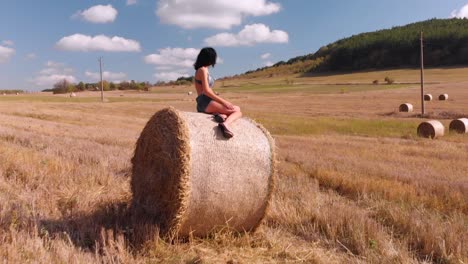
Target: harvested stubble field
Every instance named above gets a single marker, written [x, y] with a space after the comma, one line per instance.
[355, 184]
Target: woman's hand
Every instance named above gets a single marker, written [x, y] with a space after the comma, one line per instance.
[228, 105]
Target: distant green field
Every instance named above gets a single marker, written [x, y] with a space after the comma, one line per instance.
[309, 88]
[303, 126]
[297, 125]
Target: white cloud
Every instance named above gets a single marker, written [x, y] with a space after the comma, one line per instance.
[53, 64]
[53, 73]
[462, 13]
[106, 75]
[221, 14]
[6, 53]
[164, 68]
[79, 42]
[131, 2]
[172, 63]
[54, 70]
[31, 56]
[250, 35]
[49, 71]
[8, 43]
[169, 76]
[50, 80]
[265, 56]
[169, 61]
[173, 57]
[98, 14]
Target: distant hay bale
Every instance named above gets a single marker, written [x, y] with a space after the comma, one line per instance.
[191, 180]
[443, 97]
[406, 107]
[459, 125]
[431, 129]
[72, 94]
[428, 97]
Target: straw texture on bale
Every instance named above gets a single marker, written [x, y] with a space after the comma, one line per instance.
[406, 107]
[443, 97]
[428, 97]
[459, 125]
[431, 129]
[193, 181]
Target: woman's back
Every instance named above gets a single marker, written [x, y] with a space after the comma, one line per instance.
[199, 76]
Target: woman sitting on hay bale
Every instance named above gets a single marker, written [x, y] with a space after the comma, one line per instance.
[207, 101]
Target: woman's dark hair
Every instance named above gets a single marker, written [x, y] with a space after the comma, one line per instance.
[206, 57]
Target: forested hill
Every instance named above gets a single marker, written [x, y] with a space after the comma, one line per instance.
[445, 44]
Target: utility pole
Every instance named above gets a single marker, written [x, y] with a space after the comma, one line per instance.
[422, 77]
[102, 85]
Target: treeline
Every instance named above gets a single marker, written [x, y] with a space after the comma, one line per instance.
[180, 81]
[445, 44]
[64, 86]
[11, 92]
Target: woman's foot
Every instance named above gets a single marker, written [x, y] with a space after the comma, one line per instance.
[220, 118]
[226, 132]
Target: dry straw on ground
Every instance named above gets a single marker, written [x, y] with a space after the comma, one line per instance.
[431, 129]
[193, 181]
[459, 125]
[428, 97]
[443, 97]
[406, 107]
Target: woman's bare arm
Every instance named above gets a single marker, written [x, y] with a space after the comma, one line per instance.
[209, 92]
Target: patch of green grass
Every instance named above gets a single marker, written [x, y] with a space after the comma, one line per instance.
[309, 88]
[297, 125]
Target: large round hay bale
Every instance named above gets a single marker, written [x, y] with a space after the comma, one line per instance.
[443, 97]
[192, 180]
[406, 107]
[431, 129]
[428, 97]
[459, 125]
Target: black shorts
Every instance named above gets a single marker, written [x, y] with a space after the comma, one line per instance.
[202, 102]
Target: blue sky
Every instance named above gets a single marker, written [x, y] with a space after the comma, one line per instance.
[150, 40]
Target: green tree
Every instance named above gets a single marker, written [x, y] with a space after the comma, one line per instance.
[124, 85]
[80, 86]
[63, 86]
[105, 85]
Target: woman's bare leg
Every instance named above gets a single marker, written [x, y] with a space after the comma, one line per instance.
[232, 115]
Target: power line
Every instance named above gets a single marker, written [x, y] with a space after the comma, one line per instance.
[102, 85]
[422, 75]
